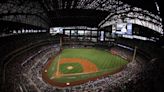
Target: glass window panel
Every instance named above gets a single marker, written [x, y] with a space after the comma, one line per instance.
[67, 32]
[87, 33]
[81, 32]
[94, 33]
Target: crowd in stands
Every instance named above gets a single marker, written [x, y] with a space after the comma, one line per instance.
[9, 44]
[14, 45]
[145, 46]
[28, 69]
[24, 73]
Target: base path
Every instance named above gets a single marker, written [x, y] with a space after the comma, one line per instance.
[86, 64]
[88, 67]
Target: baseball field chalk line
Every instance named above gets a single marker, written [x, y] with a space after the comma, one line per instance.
[87, 66]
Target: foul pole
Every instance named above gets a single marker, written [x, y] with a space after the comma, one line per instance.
[61, 43]
[134, 54]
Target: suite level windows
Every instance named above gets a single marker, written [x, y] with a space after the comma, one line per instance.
[23, 31]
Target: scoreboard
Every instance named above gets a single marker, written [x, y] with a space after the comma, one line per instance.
[123, 28]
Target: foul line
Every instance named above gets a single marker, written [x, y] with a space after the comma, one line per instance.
[57, 71]
[62, 75]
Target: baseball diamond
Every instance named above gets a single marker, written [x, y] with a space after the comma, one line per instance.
[81, 46]
[75, 66]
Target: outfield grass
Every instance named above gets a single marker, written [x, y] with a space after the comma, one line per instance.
[105, 62]
[102, 59]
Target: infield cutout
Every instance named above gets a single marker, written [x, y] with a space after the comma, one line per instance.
[66, 70]
[88, 67]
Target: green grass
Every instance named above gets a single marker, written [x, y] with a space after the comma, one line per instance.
[66, 79]
[77, 68]
[52, 67]
[105, 62]
[102, 59]
[73, 78]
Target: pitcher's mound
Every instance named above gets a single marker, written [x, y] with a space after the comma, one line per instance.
[70, 67]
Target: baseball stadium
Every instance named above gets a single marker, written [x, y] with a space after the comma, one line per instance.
[73, 66]
[81, 46]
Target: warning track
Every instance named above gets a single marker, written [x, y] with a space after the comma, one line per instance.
[89, 71]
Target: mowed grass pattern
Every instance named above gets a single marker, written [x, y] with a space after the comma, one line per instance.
[53, 67]
[76, 68]
[104, 60]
